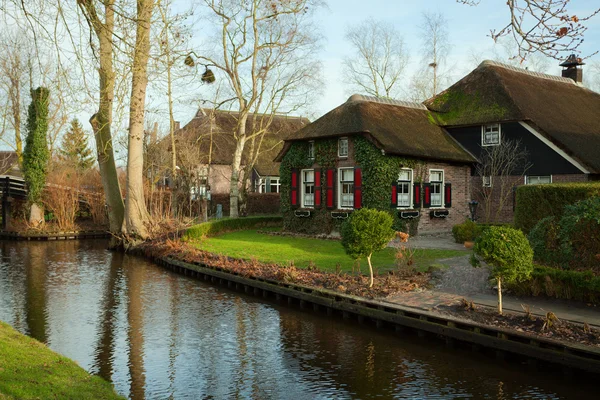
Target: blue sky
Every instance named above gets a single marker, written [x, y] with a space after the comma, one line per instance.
[469, 28]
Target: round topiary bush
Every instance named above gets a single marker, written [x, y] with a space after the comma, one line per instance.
[366, 231]
[508, 252]
[466, 232]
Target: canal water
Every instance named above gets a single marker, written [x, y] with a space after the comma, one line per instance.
[159, 335]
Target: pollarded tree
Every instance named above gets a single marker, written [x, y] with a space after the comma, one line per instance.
[74, 150]
[508, 252]
[36, 154]
[365, 232]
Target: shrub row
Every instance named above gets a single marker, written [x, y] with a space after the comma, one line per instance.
[535, 202]
[469, 231]
[216, 227]
[562, 284]
[573, 241]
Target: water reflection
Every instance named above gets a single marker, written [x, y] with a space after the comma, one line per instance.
[155, 334]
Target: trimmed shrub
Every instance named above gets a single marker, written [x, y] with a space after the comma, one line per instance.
[216, 227]
[508, 252]
[535, 202]
[545, 241]
[555, 282]
[366, 231]
[467, 231]
[580, 234]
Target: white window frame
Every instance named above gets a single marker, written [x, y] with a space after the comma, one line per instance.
[303, 189]
[410, 189]
[340, 185]
[340, 140]
[527, 177]
[441, 183]
[311, 150]
[489, 181]
[483, 141]
[275, 182]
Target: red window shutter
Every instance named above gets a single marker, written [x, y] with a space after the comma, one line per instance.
[417, 195]
[394, 194]
[427, 195]
[330, 184]
[357, 188]
[317, 188]
[448, 195]
[294, 189]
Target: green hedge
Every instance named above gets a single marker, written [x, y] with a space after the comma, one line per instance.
[535, 202]
[559, 283]
[216, 227]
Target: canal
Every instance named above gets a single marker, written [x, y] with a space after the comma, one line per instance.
[158, 335]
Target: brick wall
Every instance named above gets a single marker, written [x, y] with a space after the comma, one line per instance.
[460, 178]
[490, 199]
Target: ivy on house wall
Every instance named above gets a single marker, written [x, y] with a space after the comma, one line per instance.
[378, 171]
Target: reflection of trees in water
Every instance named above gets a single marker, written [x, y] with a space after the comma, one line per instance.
[110, 302]
[135, 276]
[35, 263]
[12, 286]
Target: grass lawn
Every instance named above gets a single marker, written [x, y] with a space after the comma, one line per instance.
[30, 370]
[325, 254]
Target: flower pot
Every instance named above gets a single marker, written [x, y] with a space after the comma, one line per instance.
[469, 244]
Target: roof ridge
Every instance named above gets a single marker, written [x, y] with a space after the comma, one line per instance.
[394, 102]
[287, 116]
[527, 72]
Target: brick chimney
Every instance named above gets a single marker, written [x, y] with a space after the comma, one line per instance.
[571, 68]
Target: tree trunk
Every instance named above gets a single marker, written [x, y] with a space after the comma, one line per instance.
[101, 124]
[370, 270]
[36, 215]
[234, 188]
[136, 213]
[499, 280]
[15, 96]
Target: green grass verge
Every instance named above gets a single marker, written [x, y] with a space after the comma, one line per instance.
[30, 370]
[325, 254]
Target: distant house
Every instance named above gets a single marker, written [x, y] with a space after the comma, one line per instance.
[205, 147]
[556, 120]
[420, 160]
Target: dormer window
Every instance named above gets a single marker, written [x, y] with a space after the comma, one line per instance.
[343, 147]
[311, 150]
[490, 135]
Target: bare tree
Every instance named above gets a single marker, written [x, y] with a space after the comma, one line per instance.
[266, 53]
[378, 65]
[543, 26]
[501, 168]
[435, 49]
[136, 213]
[101, 19]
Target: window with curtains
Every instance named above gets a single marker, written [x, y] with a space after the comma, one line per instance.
[538, 180]
[490, 135]
[436, 179]
[346, 187]
[405, 188]
[308, 188]
[272, 187]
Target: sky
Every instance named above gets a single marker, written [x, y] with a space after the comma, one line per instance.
[468, 27]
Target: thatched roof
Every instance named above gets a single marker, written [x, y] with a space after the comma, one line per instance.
[397, 127]
[566, 113]
[219, 126]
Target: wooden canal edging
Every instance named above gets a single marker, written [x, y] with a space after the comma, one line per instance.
[503, 341]
[70, 235]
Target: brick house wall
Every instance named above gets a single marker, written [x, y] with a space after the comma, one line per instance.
[493, 198]
[459, 175]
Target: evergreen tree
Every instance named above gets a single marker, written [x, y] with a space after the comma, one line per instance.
[36, 153]
[74, 149]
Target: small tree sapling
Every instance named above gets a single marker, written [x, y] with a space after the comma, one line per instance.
[365, 232]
